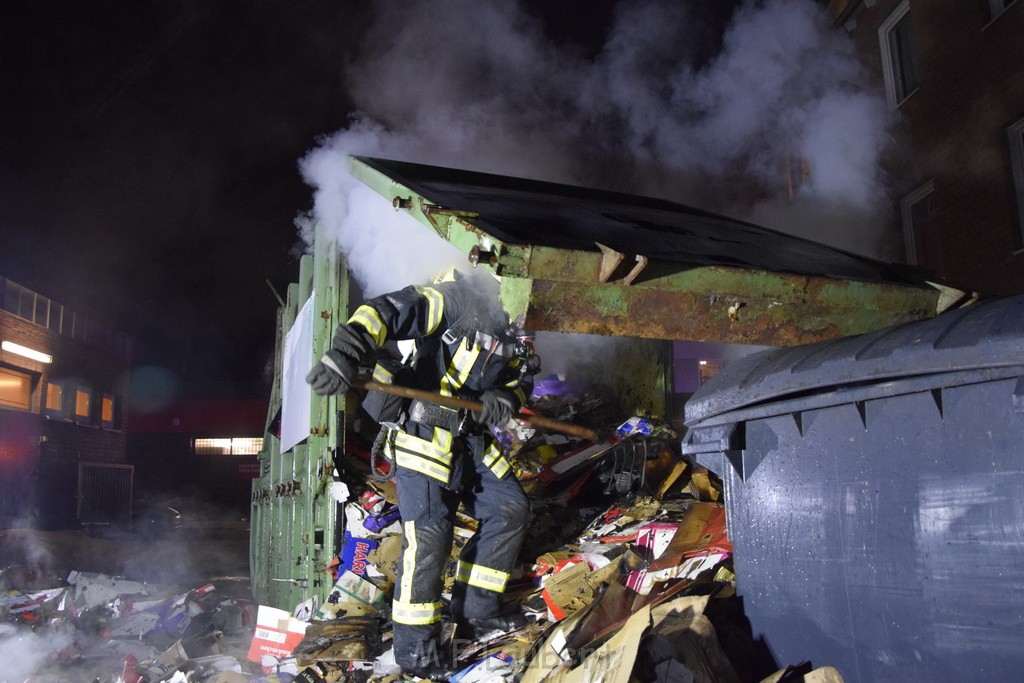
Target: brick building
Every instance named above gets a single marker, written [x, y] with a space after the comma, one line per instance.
[63, 390]
[953, 73]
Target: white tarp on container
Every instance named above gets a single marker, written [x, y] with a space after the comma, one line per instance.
[296, 396]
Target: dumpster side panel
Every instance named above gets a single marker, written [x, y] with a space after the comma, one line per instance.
[887, 538]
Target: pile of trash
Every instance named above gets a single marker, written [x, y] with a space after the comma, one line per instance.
[96, 627]
[626, 574]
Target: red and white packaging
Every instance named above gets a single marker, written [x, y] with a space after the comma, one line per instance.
[278, 633]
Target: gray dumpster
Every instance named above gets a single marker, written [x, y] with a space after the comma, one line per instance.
[875, 495]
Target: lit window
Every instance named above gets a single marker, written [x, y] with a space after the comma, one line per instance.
[15, 389]
[83, 404]
[107, 411]
[898, 65]
[229, 446]
[920, 234]
[1016, 132]
[708, 369]
[54, 399]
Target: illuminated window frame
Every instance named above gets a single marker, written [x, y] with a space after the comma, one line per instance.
[54, 406]
[83, 406]
[238, 445]
[108, 411]
[15, 389]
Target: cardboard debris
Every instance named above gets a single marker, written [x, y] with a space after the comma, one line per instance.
[626, 558]
[351, 596]
[340, 640]
[277, 633]
[96, 590]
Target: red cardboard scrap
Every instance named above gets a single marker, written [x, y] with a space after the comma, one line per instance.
[278, 633]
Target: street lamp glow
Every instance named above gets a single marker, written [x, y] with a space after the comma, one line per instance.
[26, 352]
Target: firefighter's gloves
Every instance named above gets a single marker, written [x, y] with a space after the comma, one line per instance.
[498, 408]
[332, 375]
[336, 370]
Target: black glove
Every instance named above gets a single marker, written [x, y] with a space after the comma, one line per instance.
[333, 374]
[498, 408]
[336, 370]
[355, 342]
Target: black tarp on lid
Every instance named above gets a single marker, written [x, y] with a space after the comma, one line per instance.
[522, 211]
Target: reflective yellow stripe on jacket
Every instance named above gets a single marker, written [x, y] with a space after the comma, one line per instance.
[435, 307]
[462, 364]
[432, 458]
[496, 461]
[370, 320]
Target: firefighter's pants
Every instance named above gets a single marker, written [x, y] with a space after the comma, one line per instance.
[428, 510]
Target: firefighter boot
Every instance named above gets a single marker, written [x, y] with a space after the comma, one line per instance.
[477, 629]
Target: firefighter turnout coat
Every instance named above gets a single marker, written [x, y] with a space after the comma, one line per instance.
[444, 458]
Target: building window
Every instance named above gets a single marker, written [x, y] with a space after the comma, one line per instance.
[918, 211]
[108, 412]
[228, 446]
[997, 7]
[1016, 132]
[708, 369]
[83, 405]
[54, 399]
[898, 66]
[15, 389]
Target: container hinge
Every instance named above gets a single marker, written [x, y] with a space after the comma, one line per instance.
[720, 438]
[713, 447]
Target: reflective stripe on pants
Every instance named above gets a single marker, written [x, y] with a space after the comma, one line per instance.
[428, 510]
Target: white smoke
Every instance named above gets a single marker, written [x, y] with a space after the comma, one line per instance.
[25, 653]
[588, 359]
[475, 84]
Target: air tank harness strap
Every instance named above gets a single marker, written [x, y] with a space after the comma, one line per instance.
[378, 453]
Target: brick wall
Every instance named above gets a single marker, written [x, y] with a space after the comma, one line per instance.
[952, 131]
[39, 454]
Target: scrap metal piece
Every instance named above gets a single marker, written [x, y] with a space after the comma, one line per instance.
[610, 260]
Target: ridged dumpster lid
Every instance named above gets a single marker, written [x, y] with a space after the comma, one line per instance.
[987, 335]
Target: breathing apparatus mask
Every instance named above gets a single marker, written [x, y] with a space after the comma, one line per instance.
[522, 341]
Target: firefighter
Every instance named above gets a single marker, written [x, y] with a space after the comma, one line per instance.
[444, 457]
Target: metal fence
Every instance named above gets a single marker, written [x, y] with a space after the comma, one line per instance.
[105, 494]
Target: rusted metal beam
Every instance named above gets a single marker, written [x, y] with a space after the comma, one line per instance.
[592, 291]
[824, 310]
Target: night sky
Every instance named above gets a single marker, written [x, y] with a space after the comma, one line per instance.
[149, 159]
[148, 162]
